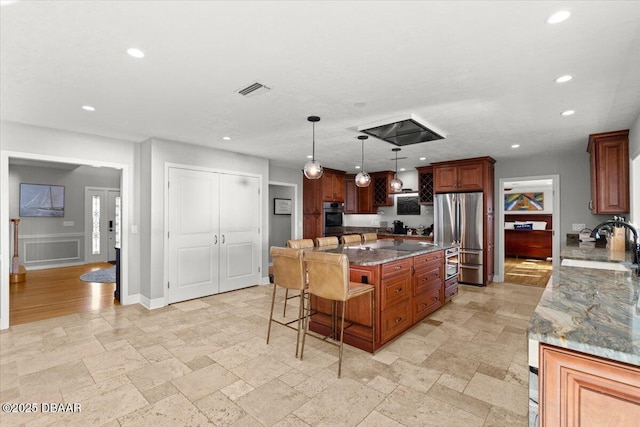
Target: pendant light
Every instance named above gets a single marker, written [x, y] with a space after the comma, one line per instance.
[313, 169]
[395, 183]
[363, 179]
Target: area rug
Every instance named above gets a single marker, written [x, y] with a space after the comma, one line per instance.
[107, 275]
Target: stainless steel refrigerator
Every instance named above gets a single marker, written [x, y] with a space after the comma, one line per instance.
[458, 219]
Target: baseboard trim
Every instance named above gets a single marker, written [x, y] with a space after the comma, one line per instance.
[149, 304]
[43, 267]
[265, 281]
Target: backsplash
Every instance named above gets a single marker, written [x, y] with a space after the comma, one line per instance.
[388, 214]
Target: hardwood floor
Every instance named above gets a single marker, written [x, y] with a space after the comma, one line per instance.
[58, 292]
[523, 271]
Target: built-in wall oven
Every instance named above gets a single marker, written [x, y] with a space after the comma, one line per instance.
[451, 262]
[333, 219]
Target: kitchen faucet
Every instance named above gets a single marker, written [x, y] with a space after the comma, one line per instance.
[617, 223]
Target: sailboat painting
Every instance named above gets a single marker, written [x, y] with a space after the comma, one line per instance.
[41, 200]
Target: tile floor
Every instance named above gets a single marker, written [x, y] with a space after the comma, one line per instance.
[205, 362]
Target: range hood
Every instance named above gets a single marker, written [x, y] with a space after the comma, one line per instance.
[402, 130]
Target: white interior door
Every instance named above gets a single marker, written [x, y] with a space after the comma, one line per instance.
[100, 208]
[240, 231]
[193, 234]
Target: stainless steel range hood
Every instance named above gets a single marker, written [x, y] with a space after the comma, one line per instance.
[402, 130]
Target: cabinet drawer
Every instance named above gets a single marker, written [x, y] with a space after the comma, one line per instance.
[395, 320]
[428, 281]
[425, 259]
[450, 290]
[426, 304]
[397, 267]
[395, 289]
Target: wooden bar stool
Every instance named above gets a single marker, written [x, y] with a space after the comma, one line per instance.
[326, 241]
[351, 239]
[288, 272]
[329, 279]
[369, 237]
[295, 244]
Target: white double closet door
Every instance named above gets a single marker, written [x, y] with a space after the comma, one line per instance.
[214, 233]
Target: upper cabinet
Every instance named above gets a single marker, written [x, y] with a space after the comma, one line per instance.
[332, 186]
[357, 200]
[382, 192]
[609, 153]
[425, 185]
[460, 175]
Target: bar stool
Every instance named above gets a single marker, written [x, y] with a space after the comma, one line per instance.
[295, 244]
[326, 241]
[329, 279]
[369, 237]
[288, 272]
[351, 239]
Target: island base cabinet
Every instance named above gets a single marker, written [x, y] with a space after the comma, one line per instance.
[581, 390]
[395, 320]
[425, 304]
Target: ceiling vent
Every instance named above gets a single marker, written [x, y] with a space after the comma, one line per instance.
[403, 130]
[253, 89]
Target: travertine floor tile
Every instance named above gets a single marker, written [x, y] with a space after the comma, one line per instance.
[206, 362]
[348, 403]
[499, 393]
[272, 402]
[175, 410]
[416, 409]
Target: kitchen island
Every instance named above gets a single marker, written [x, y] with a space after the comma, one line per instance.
[410, 282]
[584, 343]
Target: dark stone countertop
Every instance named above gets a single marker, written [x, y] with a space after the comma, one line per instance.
[383, 251]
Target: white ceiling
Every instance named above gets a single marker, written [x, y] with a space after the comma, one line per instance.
[481, 72]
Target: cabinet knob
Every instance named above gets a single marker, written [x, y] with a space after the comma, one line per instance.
[398, 319]
[398, 290]
[398, 267]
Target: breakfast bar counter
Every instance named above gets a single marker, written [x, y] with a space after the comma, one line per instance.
[410, 283]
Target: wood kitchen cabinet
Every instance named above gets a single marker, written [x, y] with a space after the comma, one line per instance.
[382, 192]
[461, 175]
[582, 390]
[357, 200]
[332, 185]
[314, 193]
[609, 153]
[425, 185]
[428, 285]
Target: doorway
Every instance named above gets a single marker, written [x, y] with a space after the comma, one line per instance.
[101, 224]
[281, 224]
[548, 189]
[10, 157]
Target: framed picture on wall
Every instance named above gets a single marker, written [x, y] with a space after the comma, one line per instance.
[282, 206]
[41, 200]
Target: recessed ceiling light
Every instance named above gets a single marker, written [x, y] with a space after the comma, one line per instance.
[309, 156]
[423, 158]
[226, 138]
[136, 53]
[88, 108]
[357, 167]
[563, 79]
[558, 17]
[515, 146]
[568, 113]
[402, 169]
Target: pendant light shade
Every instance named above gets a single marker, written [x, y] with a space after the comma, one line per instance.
[395, 183]
[313, 169]
[363, 179]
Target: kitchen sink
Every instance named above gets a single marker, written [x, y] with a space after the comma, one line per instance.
[600, 265]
